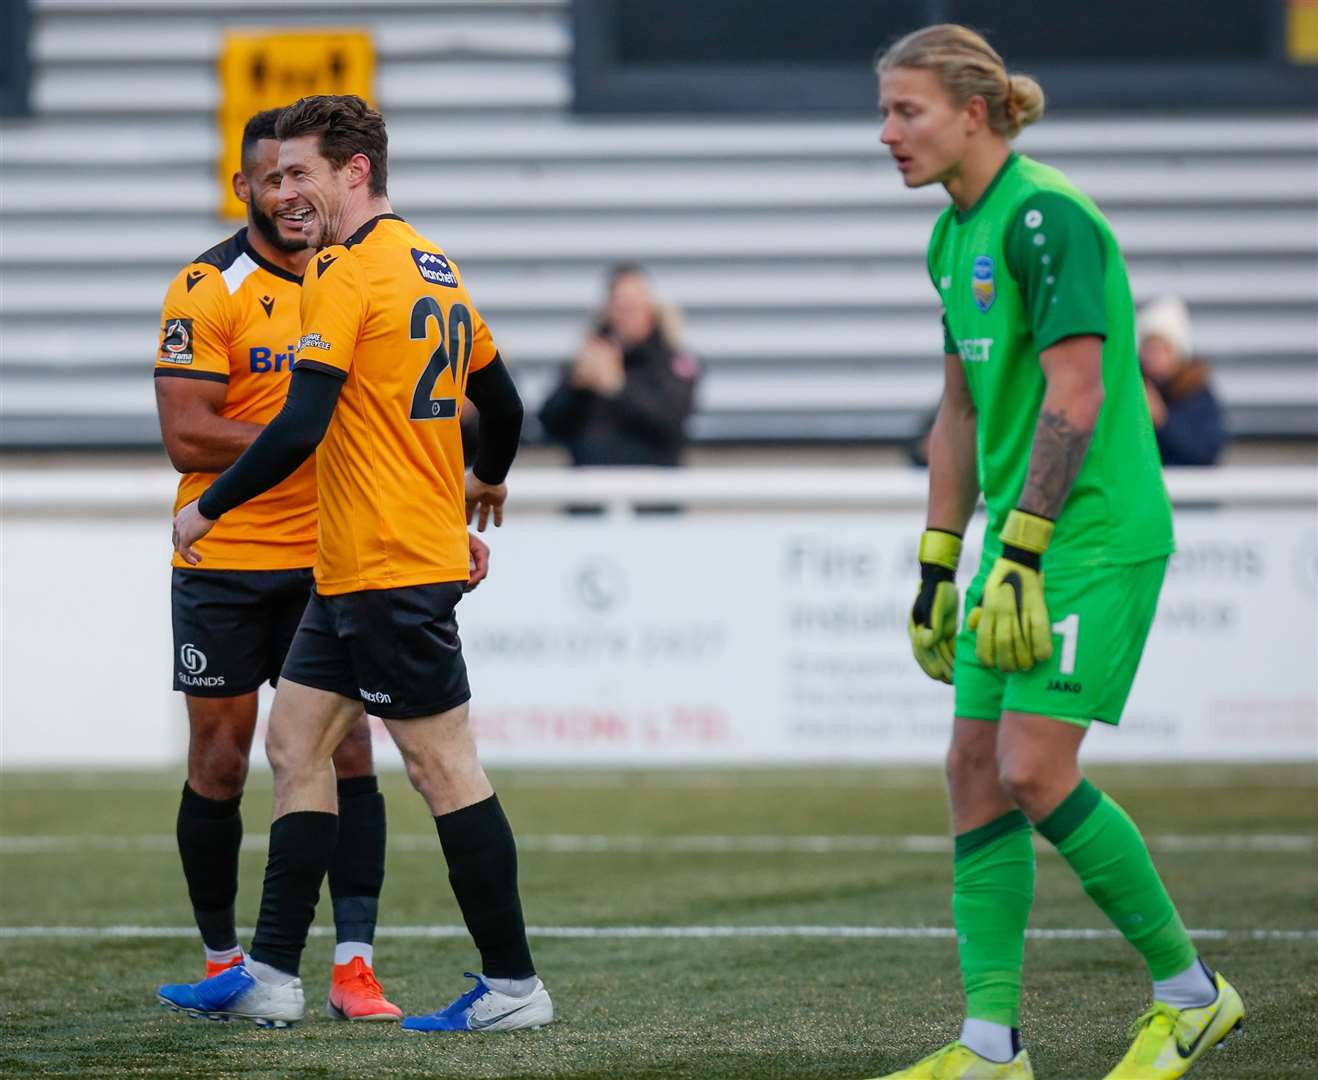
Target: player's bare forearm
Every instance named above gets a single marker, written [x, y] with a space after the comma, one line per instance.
[1071, 404]
[212, 450]
[953, 480]
[197, 438]
[953, 483]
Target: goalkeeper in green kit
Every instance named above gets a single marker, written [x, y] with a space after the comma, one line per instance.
[1044, 412]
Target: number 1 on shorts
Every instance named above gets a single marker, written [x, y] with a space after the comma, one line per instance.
[1069, 628]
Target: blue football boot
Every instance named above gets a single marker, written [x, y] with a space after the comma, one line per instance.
[483, 1008]
[234, 994]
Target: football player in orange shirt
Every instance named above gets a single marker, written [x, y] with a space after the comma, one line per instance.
[391, 345]
[222, 371]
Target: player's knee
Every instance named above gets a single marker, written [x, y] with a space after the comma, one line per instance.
[419, 776]
[217, 767]
[353, 755]
[1025, 778]
[282, 751]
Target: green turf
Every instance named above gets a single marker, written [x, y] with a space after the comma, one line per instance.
[673, 1008]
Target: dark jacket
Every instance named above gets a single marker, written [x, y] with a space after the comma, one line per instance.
[644, 424]
[1194, 433]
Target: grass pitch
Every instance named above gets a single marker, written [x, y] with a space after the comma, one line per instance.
[786, 856]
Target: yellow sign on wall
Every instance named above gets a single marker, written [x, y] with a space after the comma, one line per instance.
[264, 70]
[1302, 31]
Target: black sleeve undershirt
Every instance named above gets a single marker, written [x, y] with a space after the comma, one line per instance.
[287, 441]
[493, 392]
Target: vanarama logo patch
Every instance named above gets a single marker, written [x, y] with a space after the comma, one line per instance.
[434, 268]
[981, 282]
[176, 341]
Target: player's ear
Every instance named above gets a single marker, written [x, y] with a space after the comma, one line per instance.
[359, 169]
[976, 113]
[241, 188]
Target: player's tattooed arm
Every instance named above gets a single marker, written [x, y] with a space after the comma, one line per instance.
[1074, 370]
[1059, 451]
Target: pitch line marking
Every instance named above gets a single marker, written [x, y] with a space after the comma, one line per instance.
[902, 933]
[570, 844]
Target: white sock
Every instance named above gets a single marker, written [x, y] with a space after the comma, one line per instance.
[271, 976]
[222, 956]
[1193, 988]
[512, 987]
[346, 951]
[988, 1040]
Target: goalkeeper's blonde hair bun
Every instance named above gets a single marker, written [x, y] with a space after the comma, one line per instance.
[968, 66]
[1024, 102]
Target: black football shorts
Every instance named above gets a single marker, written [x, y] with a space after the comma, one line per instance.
[395, 650]
[232, 628]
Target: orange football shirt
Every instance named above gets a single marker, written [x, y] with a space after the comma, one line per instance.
[387, 312]
[231, 316]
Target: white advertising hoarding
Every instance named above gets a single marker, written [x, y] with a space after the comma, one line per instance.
[733, 638]
[782, 639]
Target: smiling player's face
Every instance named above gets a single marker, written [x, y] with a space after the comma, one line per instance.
[923, 129]
[278, 223]
[314, 190]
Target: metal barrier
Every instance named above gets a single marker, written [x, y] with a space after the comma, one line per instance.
[35, 490]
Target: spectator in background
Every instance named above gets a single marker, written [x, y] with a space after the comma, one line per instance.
[626, 396]
[1186, 416]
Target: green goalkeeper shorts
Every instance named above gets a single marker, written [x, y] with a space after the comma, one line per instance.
[1101, 617]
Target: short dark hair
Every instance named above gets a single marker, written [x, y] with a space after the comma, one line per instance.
[346, 126]
[260, 126]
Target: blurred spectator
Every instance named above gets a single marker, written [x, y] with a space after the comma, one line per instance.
[626, 397]
[1186, 416]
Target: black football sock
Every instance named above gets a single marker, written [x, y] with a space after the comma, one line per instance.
[482, 868]
[301, 846]
[210, 832]
[357, 870]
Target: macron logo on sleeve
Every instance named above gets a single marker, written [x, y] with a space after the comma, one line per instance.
[434, 268]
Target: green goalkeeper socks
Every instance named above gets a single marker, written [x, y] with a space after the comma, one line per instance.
[991, 897]
[1109, 855]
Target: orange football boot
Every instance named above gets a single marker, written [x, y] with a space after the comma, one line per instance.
[355, 994]
[214, 967]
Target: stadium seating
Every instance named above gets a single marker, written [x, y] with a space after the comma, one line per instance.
[790, 243]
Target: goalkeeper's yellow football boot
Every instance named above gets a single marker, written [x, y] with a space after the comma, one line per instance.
[1168, 1041]
[956, 1061]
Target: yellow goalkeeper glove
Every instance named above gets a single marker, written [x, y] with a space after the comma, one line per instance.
[1013, 631]
[932, 623]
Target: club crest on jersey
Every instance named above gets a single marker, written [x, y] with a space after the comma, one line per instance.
[434, 268]
[176, 341]
[981, 282]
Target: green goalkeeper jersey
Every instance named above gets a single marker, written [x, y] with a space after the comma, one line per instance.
[1031, 263]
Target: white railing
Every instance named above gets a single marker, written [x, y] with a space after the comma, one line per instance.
[39, 490]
